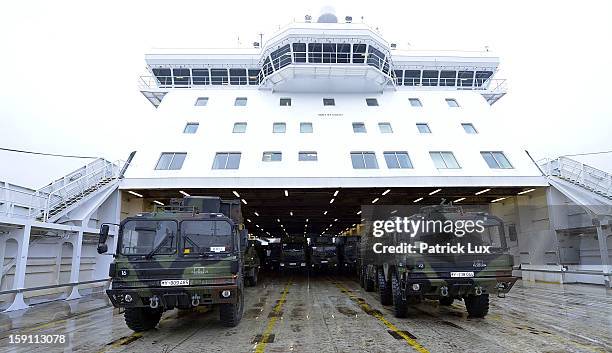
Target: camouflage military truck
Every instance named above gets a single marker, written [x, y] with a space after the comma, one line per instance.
[273, 256]
[348, 253]
[180, 256]
[293, 253]
[251, 263]
[470, 277]
[323, 253]
[371, 273]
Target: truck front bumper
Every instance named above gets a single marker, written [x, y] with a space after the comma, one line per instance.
[172, 297]
[457, 287]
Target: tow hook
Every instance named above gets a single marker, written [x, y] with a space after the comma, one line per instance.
[195, 300]
[153, 302]
[444, 291]
[478, 290]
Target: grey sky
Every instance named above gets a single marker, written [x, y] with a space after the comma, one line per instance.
[70, 68]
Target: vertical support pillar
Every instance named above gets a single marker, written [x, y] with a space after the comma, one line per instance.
[603, 251]
[75, 267]
[21, 260]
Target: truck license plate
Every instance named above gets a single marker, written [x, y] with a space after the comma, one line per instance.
[174, 282]
[324, 261]
[292, 264]
[462, 274]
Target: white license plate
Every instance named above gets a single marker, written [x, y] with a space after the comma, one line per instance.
[217, 248]
[174, 282]
[324, 261]
[462, 274]
[292, 264]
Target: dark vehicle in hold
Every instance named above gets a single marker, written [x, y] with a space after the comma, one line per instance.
[348, 253]
[181, 256]
[323, 253]
[293, 253]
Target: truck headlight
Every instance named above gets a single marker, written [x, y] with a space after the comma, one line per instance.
[226, 293]
[128, 298]
[416, 287]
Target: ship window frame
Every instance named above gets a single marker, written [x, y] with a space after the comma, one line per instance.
[304, 130]
[329, 102]
[447, 159]
[229, 157]
[285, 100]
[397, 163]
[239, 127]
[467, 126]
[272, 156]
[362, 163]
[384, 125]
[219, 77]
[303, 154]
[191, 127]
[452, 103]
[371, 102]
[171, 164]
[241, 101]
[201, 102]
[496, 160]
[415, 102]
[282, 127]
[426, 130]
[359, 127]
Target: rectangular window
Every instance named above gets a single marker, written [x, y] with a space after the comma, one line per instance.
[415, 102]
[372, 102]
[219, 76]
[452, 103]
[200, 76]
[171, 161]
[238, 76]
[306, 128]
[272, 157]
[307, 156]
[444, 160]
[364, 160]
[469, 128]
[201, 102]
[398, 160]
[359, 128]
[385, 128]
[240, 102]
[423, 128]
[239, 128]
[227, 160]
[329, 102]
[191, 128]
[285, 102]
[496, 160]
[279, 128]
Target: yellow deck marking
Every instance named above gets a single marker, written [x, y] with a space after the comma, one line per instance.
[367, 308]
[261, 346]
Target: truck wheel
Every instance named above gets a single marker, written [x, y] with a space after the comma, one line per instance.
[368, 283]
[230, 314]
[384, 289]
[142, 319]
[399, 304]
[446, 301]
[477, 305]
[362, 278]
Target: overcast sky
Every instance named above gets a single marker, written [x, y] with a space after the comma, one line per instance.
[70, 68]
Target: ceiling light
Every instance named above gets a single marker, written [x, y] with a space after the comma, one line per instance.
[306, 220]
[482, 191]
[394, 211]
[286, 192]
[386, 192]
[331, 225]
[331, 201]
[257, 225]
[501, 198]
[359, 212]
[417, 200]
[435, 192]
[256, 214]
[236, 193]
[184, 193]
[244, 201]
[159, 203]
[336, 193]
[135, 193]
[459, 200]
[248, 220]
[290, 213]
[525, 191]
[375, 200]
[278, 220]
[335, 219]
[324, 212]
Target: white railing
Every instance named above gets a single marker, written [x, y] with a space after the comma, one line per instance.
[579, 173]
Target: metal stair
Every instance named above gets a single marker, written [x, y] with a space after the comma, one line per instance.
[577, 173]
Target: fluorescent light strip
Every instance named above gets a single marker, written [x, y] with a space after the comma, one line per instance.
[336, 193]
[244, 201]
[417, 200]
[482, 191]
[459, 200]
[501, 198]
[184, 193]
[324, 212]
[386, 192]
[359, 212]
[525, 191]
[236, 193]
[332, 200]
[290, 213]
[435, 192]
[159, 203]
[287, 193]
[256, 214]
[375, 200]
[135, 193]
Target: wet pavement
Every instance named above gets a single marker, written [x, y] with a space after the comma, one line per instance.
[333, 314]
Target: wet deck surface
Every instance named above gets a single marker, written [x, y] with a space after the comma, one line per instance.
[325, 314]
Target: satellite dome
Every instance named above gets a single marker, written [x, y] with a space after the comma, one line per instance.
[328, 15]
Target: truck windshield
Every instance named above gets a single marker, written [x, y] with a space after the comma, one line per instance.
[207, 236]
[148, 237]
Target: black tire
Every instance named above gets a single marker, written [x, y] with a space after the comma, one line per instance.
[384, 289]
[231, 314]
[254, 278]
[142, 319]
[400, 306]
[362, 278]
[446, 301]
[369, 283]
[477, 305]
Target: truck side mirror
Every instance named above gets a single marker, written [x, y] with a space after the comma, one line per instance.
[102, 247]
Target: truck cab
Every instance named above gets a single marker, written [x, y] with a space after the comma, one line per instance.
[323, 253]
[293, 253]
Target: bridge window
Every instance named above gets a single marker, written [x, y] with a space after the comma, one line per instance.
[329, 102]
[315, 52]
[163, 76]
[171, 161]
[299, 52]
[253, 76]
[240, 102]
[398, 76]
[219, 76]
[423, 128]
[385, 128]
[372, 102]
[285, 102]
[279, 128]
[239, 128]
[201, 102]
[307, 156]
[375, 57]
[452, 103]
[415, 102]
[359, 128]
[267, 67]
[200, 76]
[364, 160]
[496, 160]
[306, 128]
[191, 128]
[359, 53]
[444, 160]
[181, 76]
[238, 76]
[281, 57]
[344, 53]
[412, 77]
[430, 78]
[482, 77]
[227, 160]
[469, 128]
[398, 160]
[272, 156]
[465, 78]
[448, 78]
